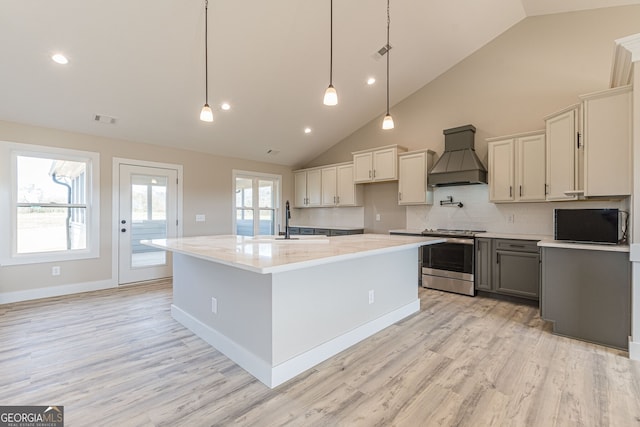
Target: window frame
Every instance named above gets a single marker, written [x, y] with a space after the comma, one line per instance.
[277, 179]
[10, 151]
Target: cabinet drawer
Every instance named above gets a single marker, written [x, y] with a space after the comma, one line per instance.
[294, 230]
[322, 231]
[306, 231]
[517, 245]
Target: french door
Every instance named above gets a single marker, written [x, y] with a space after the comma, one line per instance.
[148, 209]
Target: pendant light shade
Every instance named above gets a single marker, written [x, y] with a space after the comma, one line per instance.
[387, 123]
[206, 115]
[330, 95]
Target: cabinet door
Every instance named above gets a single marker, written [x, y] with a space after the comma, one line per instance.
[363, 167]
[314, 187]
[501, 177]
[329, 183]
[607, 144]
[531, 169]
[412, 179]
[517, 273]
[348, 192]
[385, 164]
[300, 189]
[562, 140]
[484, 262]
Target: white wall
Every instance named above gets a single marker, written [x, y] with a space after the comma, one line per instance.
[478, 214]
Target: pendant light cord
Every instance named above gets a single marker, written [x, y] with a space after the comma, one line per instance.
[331, 47]
[206, 50]
[388, 51]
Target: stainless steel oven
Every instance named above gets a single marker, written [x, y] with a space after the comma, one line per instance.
[449, 266]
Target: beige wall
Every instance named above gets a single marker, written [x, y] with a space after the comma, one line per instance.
[207, 190]
[535, 68]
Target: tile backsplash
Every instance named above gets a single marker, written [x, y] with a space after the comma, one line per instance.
[478, 214]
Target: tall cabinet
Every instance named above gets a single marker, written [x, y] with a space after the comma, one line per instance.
[308, 188]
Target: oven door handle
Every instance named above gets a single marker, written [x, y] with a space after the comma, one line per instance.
[461, 241]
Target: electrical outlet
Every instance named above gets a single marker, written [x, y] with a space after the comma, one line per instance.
[55, 271]
[511, 218]
[214, 305]
[372, 296]
[377, 217]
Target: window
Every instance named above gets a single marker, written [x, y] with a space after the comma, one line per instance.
[256, 201]
[54, 211]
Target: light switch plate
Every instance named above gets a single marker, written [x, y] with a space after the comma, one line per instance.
[200, 218]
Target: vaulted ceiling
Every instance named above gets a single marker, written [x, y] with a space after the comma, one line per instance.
[142, 63]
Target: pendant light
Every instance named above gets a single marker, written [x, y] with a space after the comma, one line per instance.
[330, 95]
[387, 123]
[206, 115]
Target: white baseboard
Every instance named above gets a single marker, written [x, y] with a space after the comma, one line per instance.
[272, 376]
[55, 291]
[634, 350]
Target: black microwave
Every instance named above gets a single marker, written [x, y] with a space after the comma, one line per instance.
[586, 225]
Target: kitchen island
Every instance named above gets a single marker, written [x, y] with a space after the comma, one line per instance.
[279, 307]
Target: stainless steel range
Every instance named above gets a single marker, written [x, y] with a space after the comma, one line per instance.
[449, 266]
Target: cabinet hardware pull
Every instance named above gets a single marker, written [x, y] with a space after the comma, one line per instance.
[578, 139]
[546, 187]
[521, 191]
[374, 173]
[497, 258]
[399, 195]
[510, 191]
[337, 200]
[517, 246]
[369, 174]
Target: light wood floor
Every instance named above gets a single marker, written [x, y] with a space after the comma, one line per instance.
[117, 358]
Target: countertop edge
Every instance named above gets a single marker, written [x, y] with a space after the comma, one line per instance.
[583, 246]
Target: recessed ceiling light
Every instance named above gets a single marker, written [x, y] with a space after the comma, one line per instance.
[371, 80]
[307, 130]
[60, 59]
[225, 106]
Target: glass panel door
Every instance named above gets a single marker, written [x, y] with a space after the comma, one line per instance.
[256, 199]
[148, 210]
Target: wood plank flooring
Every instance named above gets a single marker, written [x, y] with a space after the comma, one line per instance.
[117, 358]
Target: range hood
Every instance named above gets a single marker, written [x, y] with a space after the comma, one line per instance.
[459, 164]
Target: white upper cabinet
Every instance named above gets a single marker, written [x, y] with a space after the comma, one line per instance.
[564, 155]
[412, 178]
[338, 188]
[380, 164]
[501, 166]
[607, 131]
[348, 193]
[530, 168]
[307, 188]
[517, 168]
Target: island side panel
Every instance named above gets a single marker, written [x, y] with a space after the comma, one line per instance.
[314, 305]
[244, 309]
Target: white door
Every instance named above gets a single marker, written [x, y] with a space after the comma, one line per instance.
[148, 210]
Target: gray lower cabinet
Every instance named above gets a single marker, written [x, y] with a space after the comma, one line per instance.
[484, 264]
[508, 267]
[587, 294]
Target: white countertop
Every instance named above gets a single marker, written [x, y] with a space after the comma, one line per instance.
[550, 243]
[264, 254]
[326, 228]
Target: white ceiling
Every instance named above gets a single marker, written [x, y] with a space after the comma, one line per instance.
[142, 62]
